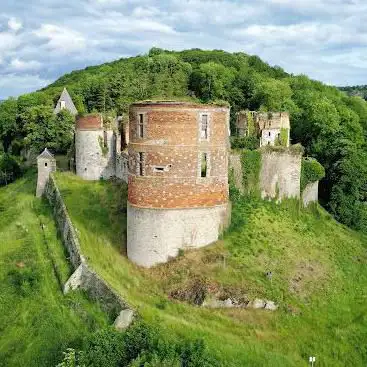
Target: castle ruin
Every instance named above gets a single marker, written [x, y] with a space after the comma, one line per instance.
[272, 128]
[174, 157]
[178, 178]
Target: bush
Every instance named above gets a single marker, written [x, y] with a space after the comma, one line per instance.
[245, 142]
[195, 354]
[140, 345]
[311, 171]
[105, 348]
[24, 280]
[9, 169]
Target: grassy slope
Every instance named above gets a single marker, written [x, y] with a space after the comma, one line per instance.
[36, 321]
[319, 278]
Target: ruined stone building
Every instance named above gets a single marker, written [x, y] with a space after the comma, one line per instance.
[272, 128]
[174, 157]
[178, 178]
[100, 148]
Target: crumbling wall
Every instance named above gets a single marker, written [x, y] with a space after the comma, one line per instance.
[235, 167]
[122, 172]
[84, 276]
[280, 175]
[311, 193]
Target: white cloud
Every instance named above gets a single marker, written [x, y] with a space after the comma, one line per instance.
[14, 85]
[20, 65]
[314, 37]
[61, 39]
[14, 24]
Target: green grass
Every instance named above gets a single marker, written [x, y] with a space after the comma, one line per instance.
[37, 322]
[319, 279]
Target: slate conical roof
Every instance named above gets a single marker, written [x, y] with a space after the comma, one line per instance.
[46, 155]
[69, 104]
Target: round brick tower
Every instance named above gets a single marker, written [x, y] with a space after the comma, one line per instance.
[95, 148]
[178, 178]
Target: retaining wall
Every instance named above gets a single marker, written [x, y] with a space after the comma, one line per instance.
[280, 175]
[84, 277]
[311, 193]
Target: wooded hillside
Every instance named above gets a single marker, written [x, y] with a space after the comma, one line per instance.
[329, 124]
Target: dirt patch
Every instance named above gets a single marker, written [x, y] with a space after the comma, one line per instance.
[306, 274]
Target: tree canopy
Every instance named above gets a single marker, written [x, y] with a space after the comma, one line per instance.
[331, 125]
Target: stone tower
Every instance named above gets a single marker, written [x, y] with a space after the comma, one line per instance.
[46, 164]
[95, 148]
[178, 178]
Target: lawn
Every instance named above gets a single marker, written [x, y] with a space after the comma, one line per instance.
[319, 279]
[37, 322]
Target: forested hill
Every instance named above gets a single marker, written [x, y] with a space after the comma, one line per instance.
[356, 90]
[329, 124]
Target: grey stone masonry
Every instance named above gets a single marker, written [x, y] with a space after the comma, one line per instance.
[46, 164]
[84, 277]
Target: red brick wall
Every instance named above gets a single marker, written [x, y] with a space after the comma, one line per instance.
[89, 122]
[172, 140]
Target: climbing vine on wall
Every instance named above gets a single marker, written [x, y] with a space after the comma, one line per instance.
[251, 164]
[250, 124]
[311, 171]
[103, 146]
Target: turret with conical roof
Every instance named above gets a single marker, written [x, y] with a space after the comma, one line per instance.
[65, 102]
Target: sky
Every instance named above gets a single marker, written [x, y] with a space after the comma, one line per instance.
[40, 40]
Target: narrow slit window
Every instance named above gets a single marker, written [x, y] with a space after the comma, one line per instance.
[45, 164]
[204, 165]
[104, 138]
[269, 133]
[204, 127]
[141, 125]
[141, 164]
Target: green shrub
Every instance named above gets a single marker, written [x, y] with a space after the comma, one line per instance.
[140, 345]
[195, 354]
[311, 171]
[9, 169]
[245, 142]
[24, 280]
[105, 348]
[72, 358]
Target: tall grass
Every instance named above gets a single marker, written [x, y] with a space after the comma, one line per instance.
[319, 277]
[37, 322]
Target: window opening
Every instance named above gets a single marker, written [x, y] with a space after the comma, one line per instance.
[105, 138]
[269, 133]
[62, 104]
[45, 164]
[141, 163]
[141, 125]
[204, 127]
[204, 165]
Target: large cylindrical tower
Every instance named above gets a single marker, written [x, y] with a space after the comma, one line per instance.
[95, 148]
[178, 178]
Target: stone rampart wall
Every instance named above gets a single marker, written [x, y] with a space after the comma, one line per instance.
[280, 175]
[84, 277]
[311, 193]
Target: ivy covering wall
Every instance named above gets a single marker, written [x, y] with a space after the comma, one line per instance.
[251, 165]
[311, 171]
